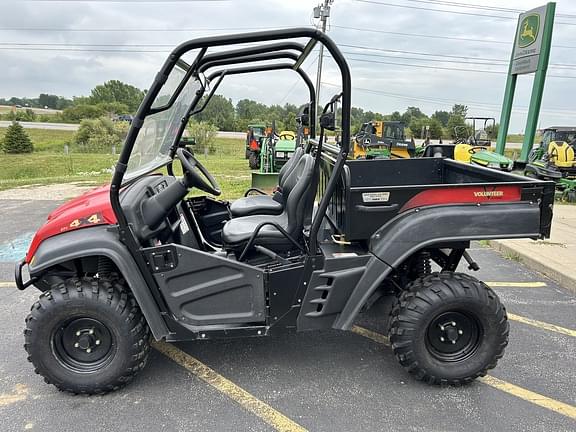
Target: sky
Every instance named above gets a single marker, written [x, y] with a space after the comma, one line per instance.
[401, 53]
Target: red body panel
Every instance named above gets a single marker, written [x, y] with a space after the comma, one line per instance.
[466, 194]
[89, 209]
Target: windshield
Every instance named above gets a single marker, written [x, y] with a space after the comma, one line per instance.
[159, 131]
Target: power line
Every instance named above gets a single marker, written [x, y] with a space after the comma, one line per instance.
[141, 30]
[428, 36]
[448, 102]
[479, 7]
[434, 10]
[447, 68]
[124, 1]
[501, 17]
[473, 60]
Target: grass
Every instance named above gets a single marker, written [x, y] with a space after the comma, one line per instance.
[512, 256]
[519, 138]
[46, 140]
[227, 165]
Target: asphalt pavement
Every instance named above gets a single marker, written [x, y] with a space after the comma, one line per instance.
[317, 381]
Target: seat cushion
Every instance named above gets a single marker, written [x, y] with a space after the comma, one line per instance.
[255, 205]
[237, 232]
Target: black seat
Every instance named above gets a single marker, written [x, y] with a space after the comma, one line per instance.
[267, 204]
[237, 231]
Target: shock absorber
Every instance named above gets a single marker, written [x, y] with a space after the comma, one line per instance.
[423, 265]
[105, 267]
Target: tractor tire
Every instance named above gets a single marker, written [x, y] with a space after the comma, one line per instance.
[87, 336]
[253, 161]
[571, 197]
[448, 329]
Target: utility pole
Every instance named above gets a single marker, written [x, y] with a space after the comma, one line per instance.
[321, 11]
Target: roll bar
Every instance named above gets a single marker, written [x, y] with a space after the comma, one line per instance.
[203, 60]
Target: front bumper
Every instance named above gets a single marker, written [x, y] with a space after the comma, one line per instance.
[20, 284]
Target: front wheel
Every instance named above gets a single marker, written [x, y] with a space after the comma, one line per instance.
[448, 328]
[87, 336]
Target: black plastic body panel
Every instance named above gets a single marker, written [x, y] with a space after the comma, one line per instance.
[101, 241]
[206, 289]
[397, 181]
[329, 289]
[416, 229]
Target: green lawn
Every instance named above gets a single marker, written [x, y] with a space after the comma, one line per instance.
[46, 140]
[518, 138]
[227, 165]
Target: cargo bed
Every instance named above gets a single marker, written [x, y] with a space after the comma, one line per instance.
[372, 192]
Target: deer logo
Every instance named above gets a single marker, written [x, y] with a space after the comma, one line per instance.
[529, 28]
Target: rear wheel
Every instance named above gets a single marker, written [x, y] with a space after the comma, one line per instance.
[448, 328]
[253, 160]
[87, 336]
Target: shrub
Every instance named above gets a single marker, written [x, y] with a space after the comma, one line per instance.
[99, 136]
[204, 133]
[19, 115]
[17, 140]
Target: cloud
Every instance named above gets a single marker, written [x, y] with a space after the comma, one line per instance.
[394, 87]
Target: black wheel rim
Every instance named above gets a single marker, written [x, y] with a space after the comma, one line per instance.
[453, 336]
[83, 344]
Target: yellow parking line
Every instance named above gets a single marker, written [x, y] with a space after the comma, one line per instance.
[7, 285]
[514, 390]
[530, 396]
[516, 284]
[542, 325]
[376, 337]
[246, 400]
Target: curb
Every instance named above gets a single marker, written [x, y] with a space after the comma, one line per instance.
[562, 279]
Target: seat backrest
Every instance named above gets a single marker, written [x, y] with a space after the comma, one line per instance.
[439, 150]
[289, 166]
[561, 153]
[296, 186]
[461, 153]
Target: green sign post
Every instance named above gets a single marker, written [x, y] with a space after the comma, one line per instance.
[530, 54]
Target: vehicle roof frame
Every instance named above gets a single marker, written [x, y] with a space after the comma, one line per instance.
[314, 35]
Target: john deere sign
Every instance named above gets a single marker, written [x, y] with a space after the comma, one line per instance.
[531, 52]
[528, 41]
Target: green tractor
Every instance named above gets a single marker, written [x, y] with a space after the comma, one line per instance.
[255, 137]
[274, 152]
[554, 159]
[476, 149]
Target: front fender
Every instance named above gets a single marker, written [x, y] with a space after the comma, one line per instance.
[413, 230]
[100, 241]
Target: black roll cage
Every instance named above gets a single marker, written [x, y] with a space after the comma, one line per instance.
[257, 53]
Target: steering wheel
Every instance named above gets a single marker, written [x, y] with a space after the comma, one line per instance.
[472, 150]
[287, 135]
[192, 170]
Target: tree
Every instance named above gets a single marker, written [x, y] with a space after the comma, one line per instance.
[17, 140]
[77, 113]
[47, 100]
[442, 117]
[117, 91]
[99, 135]
[250, 110]
[204, 133]
[219, 112]
[457, 127]
[459, 110]
[434, 127]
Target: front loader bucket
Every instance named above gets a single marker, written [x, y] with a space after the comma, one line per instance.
[264, 181]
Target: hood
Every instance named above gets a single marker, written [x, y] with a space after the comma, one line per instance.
[490, 157]
[89, 209]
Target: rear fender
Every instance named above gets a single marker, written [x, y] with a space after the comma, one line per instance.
[100, 241]
[416, 229]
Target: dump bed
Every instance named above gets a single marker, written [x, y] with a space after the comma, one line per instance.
[372, 192]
